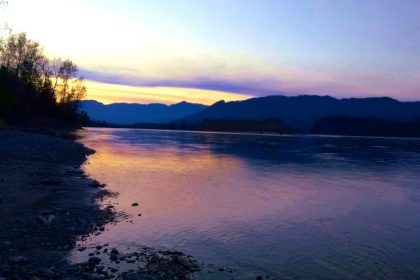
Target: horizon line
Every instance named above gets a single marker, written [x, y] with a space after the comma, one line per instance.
[255, 97]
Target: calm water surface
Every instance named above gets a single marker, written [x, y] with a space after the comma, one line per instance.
[289, 207]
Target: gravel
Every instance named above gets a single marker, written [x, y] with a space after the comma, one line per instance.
[20, 145]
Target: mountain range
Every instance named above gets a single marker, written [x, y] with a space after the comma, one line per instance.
[299, 114]
[132, 113]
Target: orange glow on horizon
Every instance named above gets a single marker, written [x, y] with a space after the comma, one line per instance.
[111, 93]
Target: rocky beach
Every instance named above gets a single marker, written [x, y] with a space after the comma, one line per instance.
[48, 203]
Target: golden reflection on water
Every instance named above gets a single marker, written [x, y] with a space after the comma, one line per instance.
[179, 187]
[197, 194]
[171, 184]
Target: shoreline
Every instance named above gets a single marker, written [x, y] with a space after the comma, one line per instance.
[48, 203]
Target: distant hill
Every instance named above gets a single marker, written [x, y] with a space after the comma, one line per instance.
[368, 126]
[300, 113]
[127, 114]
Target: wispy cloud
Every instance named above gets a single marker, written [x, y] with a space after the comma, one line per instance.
[341, 49]
[259, 79]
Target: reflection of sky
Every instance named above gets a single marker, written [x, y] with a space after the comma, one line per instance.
[270, 204]
[342, 48]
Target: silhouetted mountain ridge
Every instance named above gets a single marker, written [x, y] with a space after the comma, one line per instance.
[131, 113]
[300, 113]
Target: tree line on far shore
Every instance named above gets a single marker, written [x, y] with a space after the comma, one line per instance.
[34, 87]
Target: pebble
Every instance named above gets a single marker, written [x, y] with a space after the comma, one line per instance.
[114, 251]
[114, 255]
[135, 204]
[94, 261]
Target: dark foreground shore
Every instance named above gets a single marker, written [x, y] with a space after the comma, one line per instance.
[47, 203]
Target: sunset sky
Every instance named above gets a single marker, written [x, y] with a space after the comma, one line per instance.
[207, 50]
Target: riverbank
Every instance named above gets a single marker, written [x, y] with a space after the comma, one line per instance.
[48, 204]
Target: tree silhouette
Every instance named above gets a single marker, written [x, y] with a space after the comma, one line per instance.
[31, 84]
[68, 86]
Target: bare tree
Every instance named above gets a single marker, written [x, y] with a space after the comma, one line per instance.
[68, 87]
[45, 83]
[54, 68]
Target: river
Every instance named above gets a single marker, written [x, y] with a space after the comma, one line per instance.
[289, 207]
